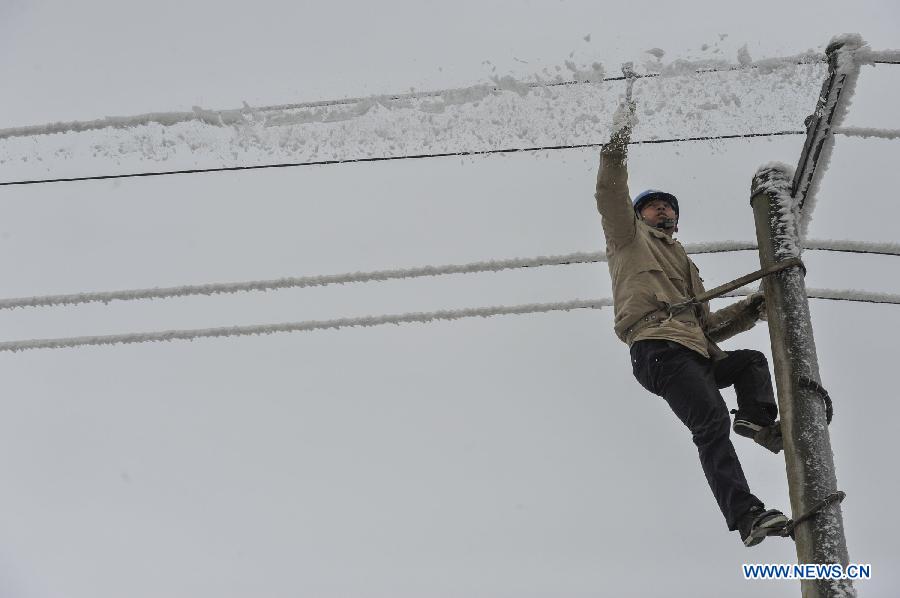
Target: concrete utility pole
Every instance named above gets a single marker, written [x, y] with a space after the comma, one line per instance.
[801, 399]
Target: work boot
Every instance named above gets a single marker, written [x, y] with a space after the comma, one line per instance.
[758, 523]
[767, 434]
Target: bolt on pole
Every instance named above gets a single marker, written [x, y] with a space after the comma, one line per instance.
[807, 447]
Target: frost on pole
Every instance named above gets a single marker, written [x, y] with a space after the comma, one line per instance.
[505, 113]
[845, 54]
[807, 446]
[774, 179]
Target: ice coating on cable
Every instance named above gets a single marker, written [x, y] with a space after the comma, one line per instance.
[307, 326]
[867, 132]
[497, 265]
[344, 278]
[368, 321]
[574, 107]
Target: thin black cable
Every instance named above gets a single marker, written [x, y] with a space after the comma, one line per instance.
[855, 300]
[387, 158]
[841, 250]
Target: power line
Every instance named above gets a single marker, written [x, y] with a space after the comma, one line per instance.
[866, 132]
[853, 295]
[390, 158]
[405, 273]
[238, 115]
[345, 278]
[370, 321]
[867, 56]
[852, 246]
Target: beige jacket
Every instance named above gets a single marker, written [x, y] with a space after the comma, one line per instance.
[650, 270]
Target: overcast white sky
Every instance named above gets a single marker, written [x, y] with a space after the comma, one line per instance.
[503, 457]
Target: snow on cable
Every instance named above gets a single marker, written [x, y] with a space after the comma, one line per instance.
[351, 277]
[594, 74]
[883, 248]
[868, 132]
[368, 321]
[869, 56]
[401, 273]
[508, 113]
[388, 158]
[855, 295]
[301, 282]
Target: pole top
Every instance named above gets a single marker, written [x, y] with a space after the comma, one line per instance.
[774, 178]
[846, 41]
[842, 45]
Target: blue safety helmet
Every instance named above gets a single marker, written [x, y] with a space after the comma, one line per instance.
[649, 195]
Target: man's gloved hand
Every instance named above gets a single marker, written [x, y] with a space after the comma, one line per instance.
[623, 121]
[756, 303]
[619, 140]
[770, 437]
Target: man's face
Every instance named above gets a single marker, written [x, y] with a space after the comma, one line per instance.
[657, 211]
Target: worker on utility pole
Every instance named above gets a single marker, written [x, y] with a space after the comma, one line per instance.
[674, 352]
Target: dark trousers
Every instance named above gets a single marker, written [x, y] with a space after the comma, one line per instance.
[690, 384]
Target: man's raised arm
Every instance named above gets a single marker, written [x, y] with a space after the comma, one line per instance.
[613, 199]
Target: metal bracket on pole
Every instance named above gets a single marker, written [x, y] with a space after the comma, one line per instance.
[829, 113]
[809, 383]
[838, 496]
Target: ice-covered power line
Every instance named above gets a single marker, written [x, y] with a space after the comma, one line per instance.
[887, 248]
[369, 321]
[391, 158]
[404, 273]
[853, 295]
[239, 115]
[506, 114]
[868, 132]
[869, 56]
[847, 131]
[345, 278]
